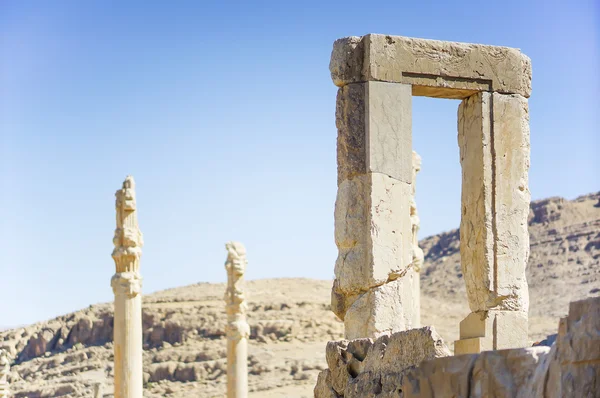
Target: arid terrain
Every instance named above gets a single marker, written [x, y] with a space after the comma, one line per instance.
[290, 320]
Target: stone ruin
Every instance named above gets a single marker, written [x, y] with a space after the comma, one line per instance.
[416, 364]
[376, 287]
[376, 290]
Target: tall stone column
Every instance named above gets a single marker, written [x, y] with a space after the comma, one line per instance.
[4, 371]
[238, 331]
[417, 253]
[494, 241]
[372, 293]
[127, 286]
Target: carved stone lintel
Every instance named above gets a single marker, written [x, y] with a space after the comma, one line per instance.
[126, 283]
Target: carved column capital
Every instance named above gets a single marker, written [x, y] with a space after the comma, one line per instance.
[126, 283]
[238, 330]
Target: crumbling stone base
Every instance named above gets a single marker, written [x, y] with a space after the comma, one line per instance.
[374, 368]
[391, 366]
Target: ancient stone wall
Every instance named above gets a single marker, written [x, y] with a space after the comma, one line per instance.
[416, 364]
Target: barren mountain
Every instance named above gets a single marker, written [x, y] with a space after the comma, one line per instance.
[290, 320]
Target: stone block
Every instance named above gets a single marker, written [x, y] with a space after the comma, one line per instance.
[375, 368]
[472, 345]
[396, 352]
[440, 378]
[505, 373]
[580, 340]
[495, 330]
[511, 329]
[580, 380]
[372, 232]
[512, 198]
[434, 68]
[380, 310]
[374, 122]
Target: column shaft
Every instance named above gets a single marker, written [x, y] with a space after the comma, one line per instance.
[128, 336]
[127, 288]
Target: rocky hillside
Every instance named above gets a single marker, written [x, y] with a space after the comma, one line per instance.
[290, 320]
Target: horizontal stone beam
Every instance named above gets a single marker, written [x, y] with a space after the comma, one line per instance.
[434, 68]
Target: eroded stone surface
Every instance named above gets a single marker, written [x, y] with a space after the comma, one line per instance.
[375, 368]
[380, 310]
[476, 232]
[374, 121]
[434, 68]
[372, 232]
[494, 146]
[492, 330]
[579, 349]
[570, 368]
[512, 199]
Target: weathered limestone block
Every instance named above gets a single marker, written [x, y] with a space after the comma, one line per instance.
[372, 233]
[374, 122]
[570, 368]
[492, 330]
[433, 68]
[380, 310]
[375, 368]
[505, 373]
[512, 198]
[494, 146]
[393, 353]
[444, 377]
[579, 349]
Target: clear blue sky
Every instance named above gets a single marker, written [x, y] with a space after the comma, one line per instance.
[224, 114]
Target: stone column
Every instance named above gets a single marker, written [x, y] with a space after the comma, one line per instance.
[98, 390]
[4, 371]
[127, 286]
[417, 253]
[371, 292]
[494, 241]
[238, 331]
